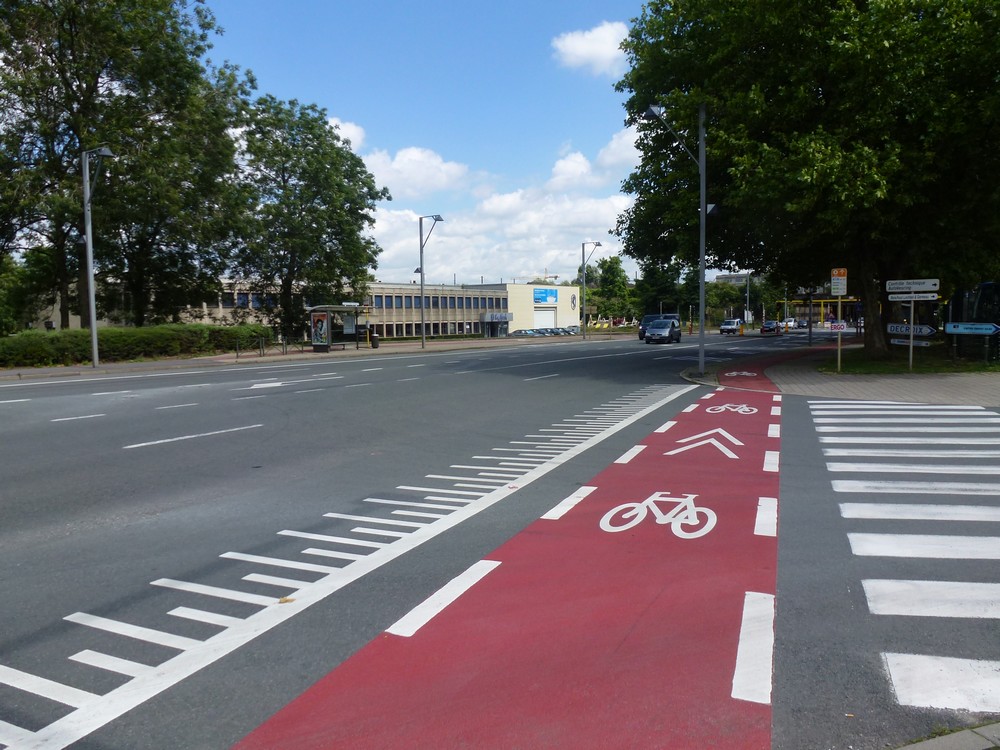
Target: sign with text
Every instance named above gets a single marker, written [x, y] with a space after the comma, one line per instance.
[913, 297]
[980, 329]
[912, 285]
[546, 296]
[918, 330]
[838, 282]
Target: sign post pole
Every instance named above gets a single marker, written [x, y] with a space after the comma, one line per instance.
[912, 290]
[838, 286]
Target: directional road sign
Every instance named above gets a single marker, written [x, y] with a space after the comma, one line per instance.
[913, 297]
[907, 342]
[913, 285]
[982, 329]
[838, 282]
[918, 330]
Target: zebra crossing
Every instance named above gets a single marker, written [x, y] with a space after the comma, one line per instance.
[921, 494]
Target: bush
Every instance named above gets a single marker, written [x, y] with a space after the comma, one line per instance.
[41, 349]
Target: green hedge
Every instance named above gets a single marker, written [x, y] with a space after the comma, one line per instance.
[44, 349]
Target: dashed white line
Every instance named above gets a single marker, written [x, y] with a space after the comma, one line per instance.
[73, 419]
[568, 504]
[630, 454]
[423, 613]
[191, 437]
[755, 652]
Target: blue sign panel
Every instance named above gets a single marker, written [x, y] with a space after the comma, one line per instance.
[546, 296]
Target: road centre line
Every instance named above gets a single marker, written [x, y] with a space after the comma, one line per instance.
[73, 419]
[15, 401]
[175, 406]
[542, 377]
[926, 546]
[424, 612]
[191, 437]
[920, 512]
[933, 598]
[109, 393]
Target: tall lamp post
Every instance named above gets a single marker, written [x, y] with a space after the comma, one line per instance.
[583, 288]
[88, 188]
[423, 241]
[657, 112]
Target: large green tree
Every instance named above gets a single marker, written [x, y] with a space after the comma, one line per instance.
[310, 205]
[858, 134]
[77, 74]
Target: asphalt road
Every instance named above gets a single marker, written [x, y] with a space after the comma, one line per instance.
[132, 505]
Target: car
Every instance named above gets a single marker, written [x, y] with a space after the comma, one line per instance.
[802, 323]
[772, 326]
[731, 326]
[647, 319]
[522, 332]
[789, 324]
[664, 330]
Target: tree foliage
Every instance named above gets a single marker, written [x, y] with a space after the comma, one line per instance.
[853, 133]
[310, 203]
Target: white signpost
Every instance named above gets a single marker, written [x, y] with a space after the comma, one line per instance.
[838, 287]
[912, 290]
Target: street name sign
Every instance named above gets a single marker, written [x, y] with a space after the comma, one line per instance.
[925, 296]
[913, 285]
[918, 330]
[981, 329]
[907, 342]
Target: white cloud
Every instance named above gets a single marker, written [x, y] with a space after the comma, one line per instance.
[572, 172]
[596, 50]
[620, 154]
[414, 172]
[349, 131]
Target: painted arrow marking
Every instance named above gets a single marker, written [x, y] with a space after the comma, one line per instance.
[709, 441]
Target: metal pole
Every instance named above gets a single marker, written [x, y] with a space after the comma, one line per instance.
[423, 326]
[701, 239]
[89, 239]
[583, 288]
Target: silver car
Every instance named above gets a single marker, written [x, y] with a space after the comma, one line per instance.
[663, 331]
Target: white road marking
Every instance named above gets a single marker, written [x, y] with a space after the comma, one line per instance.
[771, 459]
[56, 691]
[927, 420]
[73, 419]
[630, 454]
[423, 613]
[175, 406]
[907, 429]
[215, 591]
[914, 468]
[908, 453]
[109, 393]
[887, 440]
[928, 546]
[110, 663]
[943, 682]
[755, 652]
[916, 488]
[933, 598]
[566, 505]
[191, 437]
[149, 635]
[332, 539]
[542, 377]
[915, 512]
[766, 523]
[774, 430]
[15, 401]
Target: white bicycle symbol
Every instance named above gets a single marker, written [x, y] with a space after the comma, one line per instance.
[741, 373]
[738, 408]
[686, 520]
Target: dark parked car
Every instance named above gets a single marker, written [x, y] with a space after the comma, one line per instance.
[772, 326]
[664, 330]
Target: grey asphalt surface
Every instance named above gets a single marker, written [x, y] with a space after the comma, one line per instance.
[796, 375]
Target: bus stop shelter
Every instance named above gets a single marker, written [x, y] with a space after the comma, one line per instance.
[339, 325]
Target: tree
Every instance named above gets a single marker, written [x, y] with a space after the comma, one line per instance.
[310, 203]
[854, 134]
[125, 73]
[614, 298]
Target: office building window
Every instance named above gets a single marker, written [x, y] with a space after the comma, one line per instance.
[408, 301]
[399, 301]
[451, 303]
[388, 302]
[378, 301]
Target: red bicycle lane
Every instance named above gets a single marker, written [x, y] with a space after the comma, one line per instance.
[578, 633]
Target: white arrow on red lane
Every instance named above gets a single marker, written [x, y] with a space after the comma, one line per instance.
[709, 441]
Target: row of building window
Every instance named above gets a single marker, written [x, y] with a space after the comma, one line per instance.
[437, 302]
[400, 330]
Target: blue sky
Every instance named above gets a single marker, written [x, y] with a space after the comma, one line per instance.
[501, 117]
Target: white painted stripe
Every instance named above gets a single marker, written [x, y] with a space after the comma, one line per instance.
[215, 591]
[915, 468]
[405, 504]
[436, 489]
[461, 479]
[311, 390]
[352, 556]
[278, 562]
[926, 420]
[775, 411]
[888, 440]
[13, 736]
[191, 437]
[915, 512]
[688, 409]
[50, 689]
[148, 635]
[665, 426]
[15, 401]
[417, 514]
[771, 460]
[630, 454]
[568, 504]
[371, 369]
[331, 539]
[766, 523]
[423, 613]
[933, 598]
[200, 615]
[288, 583]
[387, 521]
[73, 419]
[382, 532]
[907, 412]
[932, 546]
[774, 430]
[541, 377]
[358, 385]
[110, 663]
[109, 393]
[776, 398]
[755, 652]
[917, 488]
[908, 453]
[944, 682]
[175, 406]
[439, 499]
[963, 429]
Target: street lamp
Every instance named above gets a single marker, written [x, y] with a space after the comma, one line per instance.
[88, 187]
[583, 290]
[423, 241]
[657, 112]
